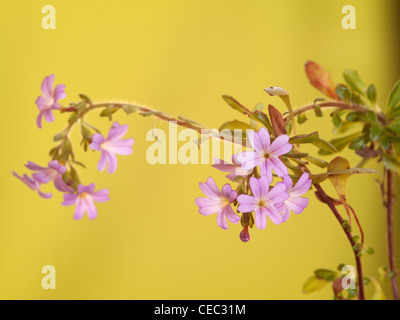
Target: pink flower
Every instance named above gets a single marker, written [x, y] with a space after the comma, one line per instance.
[264, 202]
[295, 202]
[48, 101]
[33, 184]
[217, 201]
[54, 172]
[111, 146]
[234, 168]
[84, 200]
[266, 154]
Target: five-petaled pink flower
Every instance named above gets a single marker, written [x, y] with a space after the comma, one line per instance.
[33, 184]
[54, 172]
[295, 202]
[48, 101]
[218, 201]
[234, 168]
[85, 199]
[266, 154]
[264, 202]
[111, 146]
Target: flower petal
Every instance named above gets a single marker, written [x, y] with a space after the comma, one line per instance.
[297, 204]
[280, 145]
[260, 218]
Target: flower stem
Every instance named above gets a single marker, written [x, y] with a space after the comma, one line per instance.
[339, 105]
[326, 199]
[389, 212]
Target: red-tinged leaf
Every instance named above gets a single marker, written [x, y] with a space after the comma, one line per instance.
[278, 124]
[320, 79]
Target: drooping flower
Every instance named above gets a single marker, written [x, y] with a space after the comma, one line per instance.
[295, 202]
[218, 201]
[48, 101]
[33, 184]
[54, 172]
[264, 202]
[111, 146]
[85, 199]
[234, 168]
[266, 154]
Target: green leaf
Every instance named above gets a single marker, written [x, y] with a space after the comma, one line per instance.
[355, 116]
[375, 131]
[336, 120]
[369, 250]
[354, 81]
[304, 138]
[385, 143]
[235, 124]
[343, 92]
[85, 98]
[108, 111]
[314, 284]
[150, 113]
[394, 98]
[318, 162]
[326, 274]
[390, 163]
[395, 127]
[324, 145]
[358, 143]
[301, 118]
[341, 143]
[317, 108]
[263, 119]
[233, 103]
[371, 94]
[371, 116]
[59, 136]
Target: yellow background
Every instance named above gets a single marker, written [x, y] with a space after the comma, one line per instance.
[149, 241]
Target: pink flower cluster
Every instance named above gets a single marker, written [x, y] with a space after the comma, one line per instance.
[84, 196]
[274, 202]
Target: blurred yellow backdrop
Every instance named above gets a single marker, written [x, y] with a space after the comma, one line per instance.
[149, 241]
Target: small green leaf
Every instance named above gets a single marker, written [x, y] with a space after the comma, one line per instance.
[355, 116]
[358, 143]
[318, 162]
[301, 118]
[324, 145]
[235, 124]
[371, 94]
[326, 274]
[390, 163]
[314, 284]
[85, 98]
[304, 138]
[375, 131]
[263, 119]
[354, 81]
[385, 143]
[59, 136]
[369, 250]
[336, 120]
[371, 116]
[394, 98]
[343, 92]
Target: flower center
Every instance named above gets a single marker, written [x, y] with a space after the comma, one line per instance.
[266, 155]
[261, 203]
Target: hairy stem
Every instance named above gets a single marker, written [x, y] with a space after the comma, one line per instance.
[339, 105]
[326, 199]
[389, 212]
